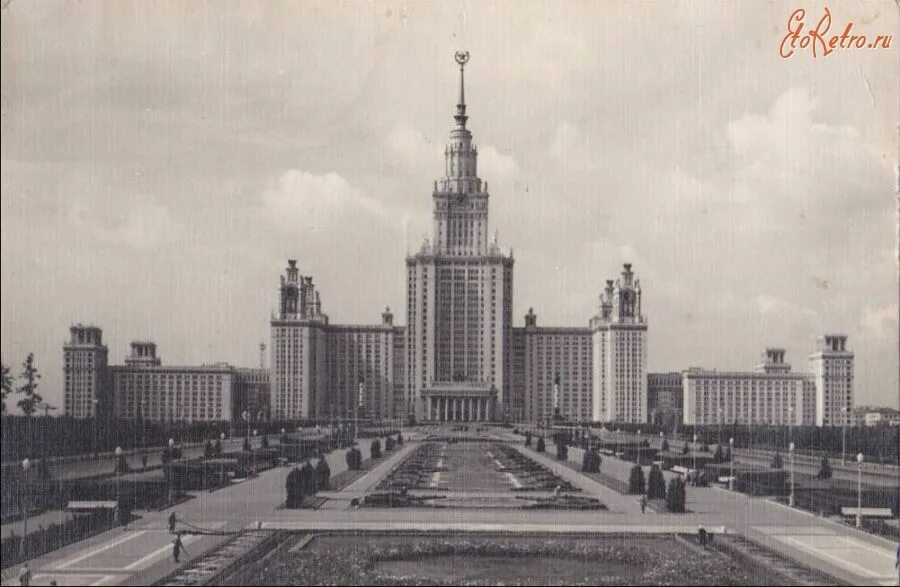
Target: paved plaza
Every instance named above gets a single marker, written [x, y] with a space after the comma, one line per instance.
[141, 554]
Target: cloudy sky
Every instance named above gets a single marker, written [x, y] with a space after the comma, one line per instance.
[162, 160]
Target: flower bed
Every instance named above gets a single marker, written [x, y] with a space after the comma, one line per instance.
[484, 560]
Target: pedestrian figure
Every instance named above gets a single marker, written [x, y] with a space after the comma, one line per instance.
[643, 504]
[25, 575]
[177, 547]
[556, 491]
[172, 520]
[701, 532]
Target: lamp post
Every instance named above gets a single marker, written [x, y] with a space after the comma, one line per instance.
[791, 448]
[844, 435]
[731, 454]
[26, 464]
[859, 462]
[694, 452]
[118, 453]
[169, 465]
[96, 423]
[246, 417]
[253, 455]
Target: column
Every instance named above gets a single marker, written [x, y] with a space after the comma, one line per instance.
[478, 410]
[428, 408]
[446, 408]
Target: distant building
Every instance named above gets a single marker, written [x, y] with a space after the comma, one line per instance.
[322, 370]
[665, 398]
[251, 393]
[876, 416]
[85, 373]
[771, 394]
[620, 352]
[145, 389]
[543, 354]
[832, 368]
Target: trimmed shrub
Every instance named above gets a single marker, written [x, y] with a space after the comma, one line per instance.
[217, 449]
[676, 496]
[656, 484]
[685, 449]
[636, 483]
[562, 451]
[354, 459]
[399, 439]
[591, 461]
[375, 450]
[294, 490]
[777, 461]
[665, 445]
[541, 447]
[528, 439]
[718, 456]
[824, 469]
[323, 474]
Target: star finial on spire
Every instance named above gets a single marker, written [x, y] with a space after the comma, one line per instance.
[462, 57]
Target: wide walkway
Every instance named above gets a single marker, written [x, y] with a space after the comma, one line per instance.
[141, 554]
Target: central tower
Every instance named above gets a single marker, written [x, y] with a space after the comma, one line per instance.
[459, 296]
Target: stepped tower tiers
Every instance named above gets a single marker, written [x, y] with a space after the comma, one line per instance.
[459, 290]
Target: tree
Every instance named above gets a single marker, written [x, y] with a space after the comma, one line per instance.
[208, 450]
[541, 447]
[30, 376]
[294, 490]
[676, 496]
[217, 449]
[7, 386]
[718, 456]
[323, 472]
[591, 461]
[636, 483]
[656, 484]
[824, 469]
[777, 461]
[665, 445]
[309, 479]
[389, 443]
[354, 459]
[375, 450]
[562, 450]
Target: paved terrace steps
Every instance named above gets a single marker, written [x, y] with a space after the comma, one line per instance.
[213, 565]
[738, 546]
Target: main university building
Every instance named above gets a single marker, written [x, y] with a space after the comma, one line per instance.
[458, 358]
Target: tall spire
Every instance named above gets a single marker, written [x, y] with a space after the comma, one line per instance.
[462, 57]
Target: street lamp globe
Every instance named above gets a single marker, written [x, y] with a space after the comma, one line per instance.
[859, 458]
[282, 430]
[26, 464]
[662, 434]
[791, 447]
[254, 432]
[222, 436]
[731, 441]
[171, 442]
[695, 438]
[639, 432]
[118, 451]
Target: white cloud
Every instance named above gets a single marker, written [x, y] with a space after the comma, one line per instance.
[302, 200]
[882, 323]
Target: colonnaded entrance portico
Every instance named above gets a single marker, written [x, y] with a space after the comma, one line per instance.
[460, 402]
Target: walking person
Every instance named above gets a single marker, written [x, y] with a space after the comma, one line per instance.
[25, 575]
[172, 520]
[177, 547]
[643, 504]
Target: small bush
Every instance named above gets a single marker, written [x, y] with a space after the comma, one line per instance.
[777, 461]
[562, 451]
[528, 439]
[676, 496]
[656, 484]
[375, 450]
[636, 483]
[323, 474]
[541, 447]
[591, 461]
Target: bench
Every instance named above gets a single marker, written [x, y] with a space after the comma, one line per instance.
[867, 512]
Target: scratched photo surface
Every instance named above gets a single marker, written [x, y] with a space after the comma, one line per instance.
[450, 293]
